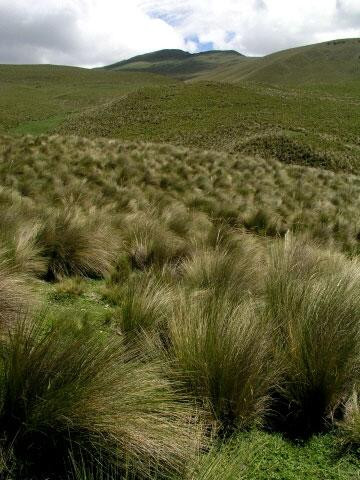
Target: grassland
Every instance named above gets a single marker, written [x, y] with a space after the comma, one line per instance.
[36, 98]
[179, 64]
[263, 196]
[328, 62]
[179, 270]
[292, 125]
[163, 318]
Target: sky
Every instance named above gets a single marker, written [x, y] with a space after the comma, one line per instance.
[93, 33]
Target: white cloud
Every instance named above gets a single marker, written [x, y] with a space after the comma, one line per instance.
[80, 32]
[96, 32]
[262, 26]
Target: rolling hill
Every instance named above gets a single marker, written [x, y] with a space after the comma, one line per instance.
[312, 127]
[179, 64]
[36, 98]
[328, 62]
[179, 267]
[262, 195]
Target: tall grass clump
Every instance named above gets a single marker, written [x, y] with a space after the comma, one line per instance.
[68, 396]
[18, 234]
[16, 295]
[150, 242]
[224, 352]
[78, 243]
[349, 427]
[22, 250]
[313, 303]
[231, 268]
[225, 462]
[143, 304]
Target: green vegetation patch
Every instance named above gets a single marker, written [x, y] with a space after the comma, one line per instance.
[35, 98]
[292, 125]
[260, 456]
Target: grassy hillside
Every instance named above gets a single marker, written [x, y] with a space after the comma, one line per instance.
[317, 127]
[328, 62]
[179, 64]
[263, 196]
[35, 98]
[179, 270]
[186, 333]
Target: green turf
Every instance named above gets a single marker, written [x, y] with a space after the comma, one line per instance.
[261, 456]
[328, 62]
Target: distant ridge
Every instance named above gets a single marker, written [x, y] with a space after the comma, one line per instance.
[178, 63]
[158, 56]
[328, 62]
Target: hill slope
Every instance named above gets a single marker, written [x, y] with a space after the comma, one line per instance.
[318, 128]
[328, 62]
[35, 98]
[261, 195]
[179, 64]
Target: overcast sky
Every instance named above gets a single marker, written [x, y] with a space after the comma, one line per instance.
[99, 32]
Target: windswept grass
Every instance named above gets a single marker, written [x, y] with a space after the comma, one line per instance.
[77, 243]
[224, 352]
[149, 241]
[143, 304]
[232, 268]
[192, 295]
[16, 296]
[350, 425]
[66, 391]
[314, 308]
[167, 199]
[293, 125]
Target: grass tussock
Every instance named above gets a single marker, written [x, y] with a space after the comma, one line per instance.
[149, 241]
[75, 243]
[143, 304]
[223, 351]
[315, 311]
[163, 288]
[349, 427]
[167, 199]
[65, 391]
[16, 296]
[232, 268]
